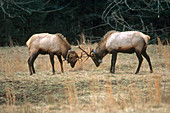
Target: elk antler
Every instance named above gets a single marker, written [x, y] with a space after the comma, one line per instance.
[88, 55]
[82, 49]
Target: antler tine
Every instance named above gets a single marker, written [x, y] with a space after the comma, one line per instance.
[78, 42]
[81, 56]
[82, 49]
[90, 49]
[88, 55]
[86, 58]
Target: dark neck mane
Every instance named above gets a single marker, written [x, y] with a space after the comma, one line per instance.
[65, 45]
[65, 42]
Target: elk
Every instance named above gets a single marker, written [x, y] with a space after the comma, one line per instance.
[52, 44]
[114, 42]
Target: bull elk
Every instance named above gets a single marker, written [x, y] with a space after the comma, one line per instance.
[114, 42]
[52, 44]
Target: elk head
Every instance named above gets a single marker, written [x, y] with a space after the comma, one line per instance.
[95, 58]
[72, 58]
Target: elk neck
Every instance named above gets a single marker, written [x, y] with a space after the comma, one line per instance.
[100, 52]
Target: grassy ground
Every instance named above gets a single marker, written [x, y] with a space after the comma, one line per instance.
[84, 88]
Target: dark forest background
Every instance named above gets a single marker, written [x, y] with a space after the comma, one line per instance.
[19, 19]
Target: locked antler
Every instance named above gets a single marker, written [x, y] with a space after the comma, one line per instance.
[88, 55]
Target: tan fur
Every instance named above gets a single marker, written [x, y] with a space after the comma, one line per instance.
[28, 43]
[48, 43]
[106, 36]
[123, 41]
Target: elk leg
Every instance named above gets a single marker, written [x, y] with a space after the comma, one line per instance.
[148, 59]
[61, 63]
[34, 57]
[31, 60]
[113, 62]
[29, 65]
[52, 62]
[140, 62]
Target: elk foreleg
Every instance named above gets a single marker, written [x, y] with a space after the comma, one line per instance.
[61, 63]
[113, 62]
[52, 62]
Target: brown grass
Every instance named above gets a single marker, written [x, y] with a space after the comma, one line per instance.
[85, 88]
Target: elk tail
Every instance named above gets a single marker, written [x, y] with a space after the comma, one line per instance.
[148, 37]
[28, 42]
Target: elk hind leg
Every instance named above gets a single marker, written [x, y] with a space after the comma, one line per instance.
[148, 59]
[139, 56]
[31, 60]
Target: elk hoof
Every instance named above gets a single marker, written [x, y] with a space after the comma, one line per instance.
[151, 71]
[136, 72]
[112, 72]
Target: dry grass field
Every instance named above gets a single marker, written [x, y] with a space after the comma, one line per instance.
[85, 88]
